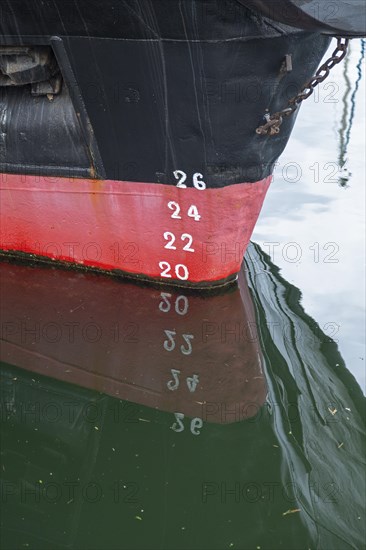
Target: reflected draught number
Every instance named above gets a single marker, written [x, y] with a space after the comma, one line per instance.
[169, 343]
[180, 304]
[182, 343]
[195, 424]
[191, 381]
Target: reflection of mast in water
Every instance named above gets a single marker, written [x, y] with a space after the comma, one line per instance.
[345, 128]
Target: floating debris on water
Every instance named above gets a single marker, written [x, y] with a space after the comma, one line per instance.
[293, 511]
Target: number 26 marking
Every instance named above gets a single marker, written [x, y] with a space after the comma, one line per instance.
[198, 182]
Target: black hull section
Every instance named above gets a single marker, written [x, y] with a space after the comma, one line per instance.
[154, 87]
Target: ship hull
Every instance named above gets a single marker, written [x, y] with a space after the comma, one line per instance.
[148, 230]
[129, 144]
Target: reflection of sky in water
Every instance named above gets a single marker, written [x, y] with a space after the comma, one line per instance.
[316, 209]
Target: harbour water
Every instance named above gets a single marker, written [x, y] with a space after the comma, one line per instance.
[146, 418]
[313, 220]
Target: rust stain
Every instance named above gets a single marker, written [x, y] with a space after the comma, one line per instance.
[96, 186]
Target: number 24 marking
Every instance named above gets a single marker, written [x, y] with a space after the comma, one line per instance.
[192, 211]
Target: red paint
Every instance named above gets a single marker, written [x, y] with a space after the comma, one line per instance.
[121, 225]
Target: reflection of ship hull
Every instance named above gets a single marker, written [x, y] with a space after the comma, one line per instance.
[145, 159]
[291, 477]
[135, 343]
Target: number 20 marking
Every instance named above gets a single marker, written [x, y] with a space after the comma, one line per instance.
[180, 270]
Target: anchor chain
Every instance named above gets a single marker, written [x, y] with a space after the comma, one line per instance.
[272, 126]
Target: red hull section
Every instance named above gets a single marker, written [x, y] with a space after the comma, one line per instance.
[150, 230]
